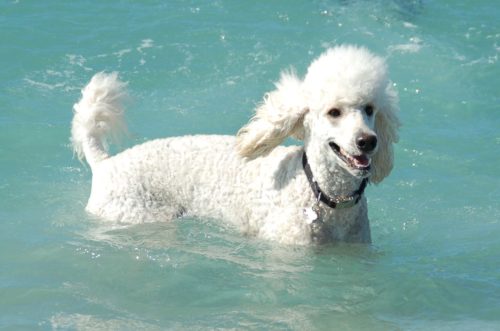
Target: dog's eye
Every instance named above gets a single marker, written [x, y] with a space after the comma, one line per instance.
[369, 110]
[334, 112]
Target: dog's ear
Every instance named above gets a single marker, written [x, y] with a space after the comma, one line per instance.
[280, 115]
[386, 127]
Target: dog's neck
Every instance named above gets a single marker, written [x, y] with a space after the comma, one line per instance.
[332, 178]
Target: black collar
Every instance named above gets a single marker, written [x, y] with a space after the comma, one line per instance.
[335, 202]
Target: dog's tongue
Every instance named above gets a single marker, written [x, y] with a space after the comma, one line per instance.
[361, 160]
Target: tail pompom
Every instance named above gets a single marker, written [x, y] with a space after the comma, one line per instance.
[99, 117]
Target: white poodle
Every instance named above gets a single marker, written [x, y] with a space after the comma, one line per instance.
[344, 111]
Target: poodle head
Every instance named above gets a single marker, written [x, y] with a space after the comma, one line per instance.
[344, 109]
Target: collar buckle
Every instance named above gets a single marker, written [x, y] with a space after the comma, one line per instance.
[346, 202]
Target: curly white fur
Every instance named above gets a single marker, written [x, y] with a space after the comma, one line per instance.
[98, 117]
[250, 180]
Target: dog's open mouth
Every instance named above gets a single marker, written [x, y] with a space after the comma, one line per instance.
[358, 162]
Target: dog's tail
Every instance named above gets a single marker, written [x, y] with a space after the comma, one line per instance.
[98, 117]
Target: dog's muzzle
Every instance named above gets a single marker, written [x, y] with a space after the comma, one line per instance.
[358, 162]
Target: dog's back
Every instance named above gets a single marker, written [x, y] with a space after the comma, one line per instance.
[164, 178]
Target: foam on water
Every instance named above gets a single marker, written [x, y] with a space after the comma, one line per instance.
[198, 67]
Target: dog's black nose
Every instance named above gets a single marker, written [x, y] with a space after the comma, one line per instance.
[366, 143]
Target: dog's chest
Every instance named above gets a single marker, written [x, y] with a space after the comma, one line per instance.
[329, 224]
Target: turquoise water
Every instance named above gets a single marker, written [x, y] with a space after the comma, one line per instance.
[200, 67]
